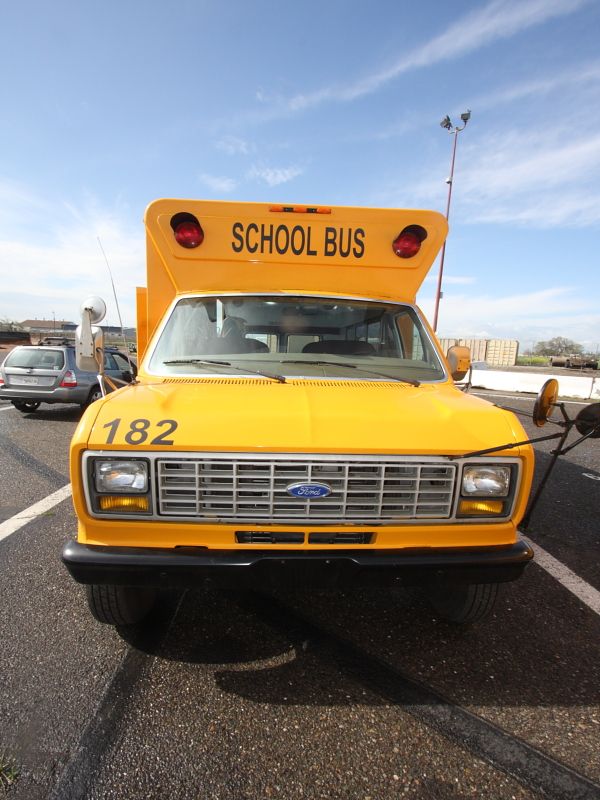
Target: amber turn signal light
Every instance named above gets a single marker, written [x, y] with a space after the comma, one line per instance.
[480, 508]
[123, 503]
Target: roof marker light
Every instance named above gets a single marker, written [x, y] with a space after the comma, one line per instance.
[302, 209]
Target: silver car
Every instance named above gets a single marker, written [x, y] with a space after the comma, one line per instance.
[48, 374]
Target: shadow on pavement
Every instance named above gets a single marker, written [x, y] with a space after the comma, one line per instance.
[204, 630]
[539, 648]
[53, 413]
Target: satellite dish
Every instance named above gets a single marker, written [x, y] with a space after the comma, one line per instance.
[96, 308]
[545, 402]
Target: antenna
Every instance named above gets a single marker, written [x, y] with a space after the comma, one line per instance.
[126, 347]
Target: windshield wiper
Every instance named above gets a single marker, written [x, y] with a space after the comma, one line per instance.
[350, 366]
[205, 362]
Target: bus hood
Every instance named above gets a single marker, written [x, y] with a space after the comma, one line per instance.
[301, 416]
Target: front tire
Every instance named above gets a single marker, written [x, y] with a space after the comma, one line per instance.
[464, 604]
[26, 406]
[120, 605]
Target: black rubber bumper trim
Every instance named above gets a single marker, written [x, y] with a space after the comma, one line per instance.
[189, 566]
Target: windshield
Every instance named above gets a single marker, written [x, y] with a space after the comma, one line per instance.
[36, 358]
[296, 337]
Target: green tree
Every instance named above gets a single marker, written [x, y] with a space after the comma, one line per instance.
[559, 346]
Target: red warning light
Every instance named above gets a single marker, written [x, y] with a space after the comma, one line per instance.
[408, 243]
[189, 234]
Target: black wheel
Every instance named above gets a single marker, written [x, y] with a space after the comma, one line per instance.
[462, 604]
[26, 406]
[95, 394]
[120, 605]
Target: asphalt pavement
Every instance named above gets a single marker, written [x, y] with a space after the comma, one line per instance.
[297, 693]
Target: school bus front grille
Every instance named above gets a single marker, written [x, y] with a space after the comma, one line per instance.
[363, 491]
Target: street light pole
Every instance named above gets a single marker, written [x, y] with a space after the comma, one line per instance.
[454, 130]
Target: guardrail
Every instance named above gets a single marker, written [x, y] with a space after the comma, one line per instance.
[584, 388]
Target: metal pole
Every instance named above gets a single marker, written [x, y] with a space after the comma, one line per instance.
[454, 129]
[441, 272]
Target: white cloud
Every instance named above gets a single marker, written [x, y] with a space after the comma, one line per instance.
[581, 75]
[528, 317]
[233, 145]
[576, 91]
[544, 179]
[576, 209]
[521, 160]
[274, 176]
[216, 183]
[497, 20]
[54, 269]
[19, 206]
[552, 300]
[539, 177]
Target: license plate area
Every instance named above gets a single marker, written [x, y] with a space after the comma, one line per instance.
[25, 380]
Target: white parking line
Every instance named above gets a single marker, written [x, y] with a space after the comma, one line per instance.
[6, 408]
[566, 577]
[582, 590]
[37, 509]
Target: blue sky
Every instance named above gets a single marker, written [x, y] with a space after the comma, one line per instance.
[106, 107]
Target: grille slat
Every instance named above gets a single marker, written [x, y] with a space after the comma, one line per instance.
[238, 489]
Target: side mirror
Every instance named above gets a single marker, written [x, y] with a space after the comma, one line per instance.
[545, 402]
[459, 359]
[89, 339]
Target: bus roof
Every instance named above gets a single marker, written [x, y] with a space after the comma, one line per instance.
[263, 247]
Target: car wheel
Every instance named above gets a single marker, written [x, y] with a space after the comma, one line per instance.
[463, 604]
[26, 406]
[95, 394]
[120, 605]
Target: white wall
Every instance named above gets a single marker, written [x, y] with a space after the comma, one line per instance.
[583, 388]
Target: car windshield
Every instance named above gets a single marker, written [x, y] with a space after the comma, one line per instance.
[296, 337]
[36, 358]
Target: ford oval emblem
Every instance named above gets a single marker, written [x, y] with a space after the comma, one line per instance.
[309, 491]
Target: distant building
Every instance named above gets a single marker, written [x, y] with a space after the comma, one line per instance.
[496, 352]
[46, 325]
[57, 327]
[112, 330]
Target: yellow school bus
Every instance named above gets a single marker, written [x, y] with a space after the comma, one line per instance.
[293, 420]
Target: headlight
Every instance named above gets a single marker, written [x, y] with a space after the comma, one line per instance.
[121, 476]
[486, 481]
